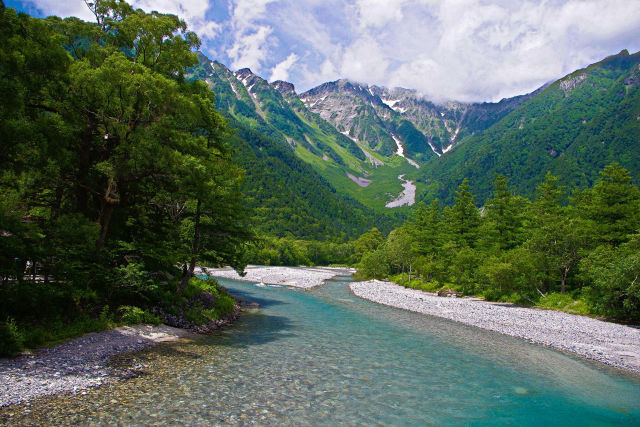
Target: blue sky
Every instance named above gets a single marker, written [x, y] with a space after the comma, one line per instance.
[467, 50]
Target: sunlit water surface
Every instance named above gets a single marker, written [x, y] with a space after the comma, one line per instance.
[326, 357]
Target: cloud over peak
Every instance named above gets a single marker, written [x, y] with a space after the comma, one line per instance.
[447, 49]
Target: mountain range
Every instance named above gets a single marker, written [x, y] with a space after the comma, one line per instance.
[368, 144]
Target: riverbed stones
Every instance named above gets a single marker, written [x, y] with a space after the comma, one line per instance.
[305, 278]
[610, 343]
[78, 364]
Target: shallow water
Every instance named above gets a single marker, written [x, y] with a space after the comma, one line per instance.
[326, 357]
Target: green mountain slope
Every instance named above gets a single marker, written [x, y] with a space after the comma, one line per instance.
[275, 111]
[574, 127]
[290, 199]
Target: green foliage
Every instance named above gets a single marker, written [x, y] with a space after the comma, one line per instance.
[373, 265]
[612, 205]
[582, 258]
[567, 303]
[204, 300]
[614, 274]
[11, 340]
[463, 218]
[132, 315]
[116, 172]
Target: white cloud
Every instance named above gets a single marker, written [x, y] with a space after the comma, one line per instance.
[365, 61]
[249, 50]
[281, 70]
[377, 13]
[448, 49]
[476, 51]
[192, 11]
[250, 45]
[61, 8]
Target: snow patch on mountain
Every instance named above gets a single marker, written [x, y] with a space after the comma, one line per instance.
[413, 163]
[400, 151]
[434, 148]
[390, 102]
[345, 133]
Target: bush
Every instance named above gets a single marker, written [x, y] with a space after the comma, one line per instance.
[225, 305]
[132, 315]
[54, 331]
[11, 340]
[569, 303]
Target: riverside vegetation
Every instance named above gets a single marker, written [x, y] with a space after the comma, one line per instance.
[582, 257]
[116, 177]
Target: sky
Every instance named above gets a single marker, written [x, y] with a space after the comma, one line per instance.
[465, 50]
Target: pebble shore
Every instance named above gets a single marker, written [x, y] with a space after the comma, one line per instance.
[305, 278]
[78, 364]
[609, 343]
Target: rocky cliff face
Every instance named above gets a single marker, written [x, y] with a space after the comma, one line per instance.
[383, 118]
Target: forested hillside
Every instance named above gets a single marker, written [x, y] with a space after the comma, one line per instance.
[288, 198]
[350, 165]
[572, 128]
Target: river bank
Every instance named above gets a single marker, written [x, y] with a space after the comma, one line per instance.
[609, 343]
[84, 362]
[80, 363]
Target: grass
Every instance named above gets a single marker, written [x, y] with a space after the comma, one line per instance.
[572, 303]
[567, 303]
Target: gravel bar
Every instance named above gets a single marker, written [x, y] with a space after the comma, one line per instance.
[307, 277]
[609, 343]
[78, 364]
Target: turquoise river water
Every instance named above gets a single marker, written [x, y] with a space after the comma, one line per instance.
[326, 357]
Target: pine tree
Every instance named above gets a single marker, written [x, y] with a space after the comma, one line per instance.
[463, 218]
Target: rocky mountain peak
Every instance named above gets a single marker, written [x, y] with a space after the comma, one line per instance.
[285, 88]
[243, 73]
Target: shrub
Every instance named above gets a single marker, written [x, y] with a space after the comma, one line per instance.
[11, 340]
[132, 315]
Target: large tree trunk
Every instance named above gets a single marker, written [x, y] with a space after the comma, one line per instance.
[565, 273]
[104, 219]
[187, 271]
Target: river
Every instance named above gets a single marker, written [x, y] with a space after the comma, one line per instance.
[326, 357]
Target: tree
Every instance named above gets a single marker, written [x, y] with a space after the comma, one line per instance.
[114, 167]
[463, 218]
[504, 217]
[400, 250]
[367, 243]
[426, 228]
[558, 236]
[615, 274]
[612, 206]
[373, 265]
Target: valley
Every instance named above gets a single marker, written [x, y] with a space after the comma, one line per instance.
[360, 137]
[358, 248]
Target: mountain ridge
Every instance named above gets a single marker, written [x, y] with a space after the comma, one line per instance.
[361, 137]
